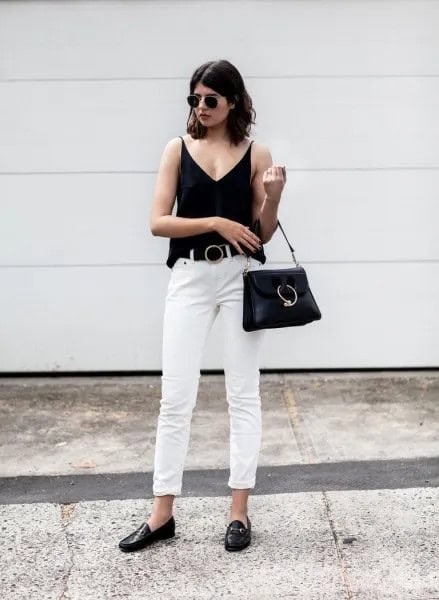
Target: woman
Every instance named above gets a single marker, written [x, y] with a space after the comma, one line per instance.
[223, 183]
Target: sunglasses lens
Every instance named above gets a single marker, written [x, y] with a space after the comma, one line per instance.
[193, 101]
[211, 101]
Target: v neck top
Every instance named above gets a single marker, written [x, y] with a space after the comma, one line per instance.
[199, 196]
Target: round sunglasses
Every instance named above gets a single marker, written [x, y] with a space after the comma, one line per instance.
[210, 101]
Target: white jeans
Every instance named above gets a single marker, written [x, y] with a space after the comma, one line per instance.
[198, 292]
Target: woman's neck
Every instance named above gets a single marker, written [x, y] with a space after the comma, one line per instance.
[217, 135]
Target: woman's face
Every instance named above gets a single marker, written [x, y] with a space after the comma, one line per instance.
[211, 116]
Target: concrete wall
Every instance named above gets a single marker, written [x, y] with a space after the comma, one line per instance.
[346, 96]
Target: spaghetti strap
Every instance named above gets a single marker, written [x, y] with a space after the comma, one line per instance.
[183, 147]
[180, 165]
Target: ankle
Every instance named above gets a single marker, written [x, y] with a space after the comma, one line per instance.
[161, 515]
[155, 521]
[236, 515]
[162, 509]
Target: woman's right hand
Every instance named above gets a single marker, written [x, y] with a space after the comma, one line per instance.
[237, 234]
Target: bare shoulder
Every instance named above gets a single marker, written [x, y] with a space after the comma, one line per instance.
[172, 150]
[262, 155]
[174, 145]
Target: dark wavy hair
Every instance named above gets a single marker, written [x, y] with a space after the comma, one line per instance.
[225, 79]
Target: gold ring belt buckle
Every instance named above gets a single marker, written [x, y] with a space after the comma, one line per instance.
[215, 260]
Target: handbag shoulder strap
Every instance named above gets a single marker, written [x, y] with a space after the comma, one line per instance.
[285, 236]
[257, 229]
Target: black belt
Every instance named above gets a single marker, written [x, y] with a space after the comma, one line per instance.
[213, 253]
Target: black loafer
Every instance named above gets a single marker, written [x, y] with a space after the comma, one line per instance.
[238, 536]
[143, 536]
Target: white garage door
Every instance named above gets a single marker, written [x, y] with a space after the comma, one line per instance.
[346, 96]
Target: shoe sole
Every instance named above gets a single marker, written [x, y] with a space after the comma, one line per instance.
[141, 545]
[237, 548]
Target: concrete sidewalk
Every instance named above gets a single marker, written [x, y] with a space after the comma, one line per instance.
[346, 502]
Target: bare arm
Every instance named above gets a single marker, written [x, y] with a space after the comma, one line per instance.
[267, 185]
[163, 223]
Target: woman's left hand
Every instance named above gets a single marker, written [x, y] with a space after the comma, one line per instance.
[274, 179]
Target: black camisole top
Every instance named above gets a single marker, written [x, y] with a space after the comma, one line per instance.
[198, 196]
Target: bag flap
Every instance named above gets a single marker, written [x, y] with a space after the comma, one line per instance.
[266, 281]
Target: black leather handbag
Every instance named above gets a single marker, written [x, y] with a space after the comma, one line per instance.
[277, 297]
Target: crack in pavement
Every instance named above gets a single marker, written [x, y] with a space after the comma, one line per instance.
[67, 511]
[309, 455]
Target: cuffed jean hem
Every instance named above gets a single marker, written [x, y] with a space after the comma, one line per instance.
[239, 485]
[168, 493]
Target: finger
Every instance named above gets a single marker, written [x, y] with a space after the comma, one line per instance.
[252, 236]
[280, 173]
[238, 247]
[252, 245]
[249, 247]
[248, 231]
